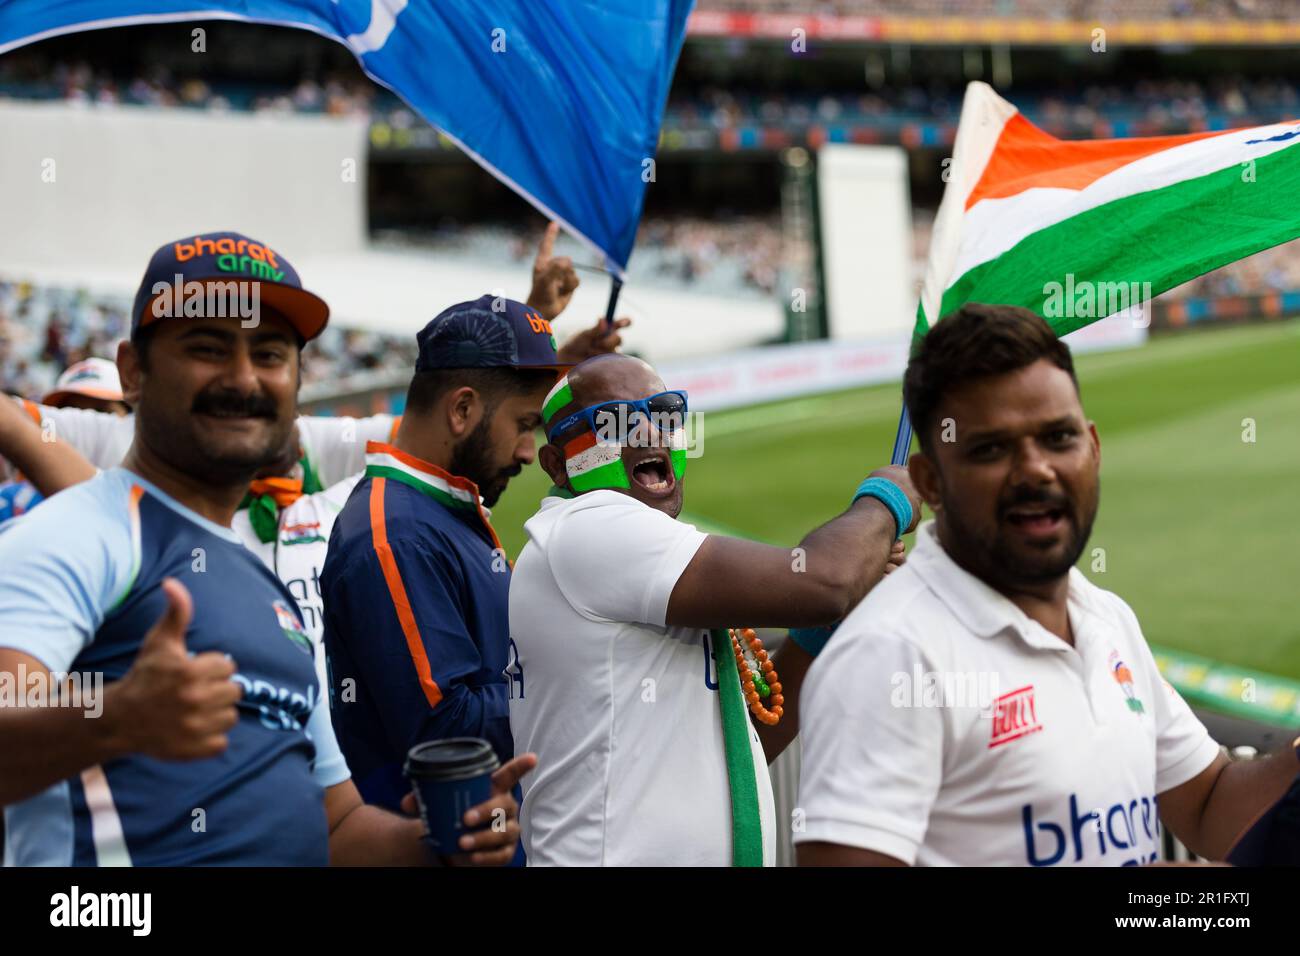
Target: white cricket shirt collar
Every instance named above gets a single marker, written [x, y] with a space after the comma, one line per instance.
[984, 611]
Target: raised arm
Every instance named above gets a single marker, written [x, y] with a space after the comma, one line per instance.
[50, 465]
[736, 583]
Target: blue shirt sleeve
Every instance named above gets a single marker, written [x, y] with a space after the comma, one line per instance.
[363, 613]
[66, 564]
[329, 767]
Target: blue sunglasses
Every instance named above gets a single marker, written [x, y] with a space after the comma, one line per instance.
[612, 421]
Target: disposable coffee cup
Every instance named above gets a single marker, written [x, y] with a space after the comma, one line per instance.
[448, 777]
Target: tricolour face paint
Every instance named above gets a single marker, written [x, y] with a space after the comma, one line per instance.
[677, 452]
[591, 464]
[556, 399]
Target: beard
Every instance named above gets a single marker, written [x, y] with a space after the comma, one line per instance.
[181, 440]
[472, 459]
[997, 561]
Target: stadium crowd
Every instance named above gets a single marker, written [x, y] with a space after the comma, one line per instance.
[346, 94]
[1157, 105]
[1146, 106]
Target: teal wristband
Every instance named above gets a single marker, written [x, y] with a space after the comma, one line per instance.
[812, 639]
[892, 497]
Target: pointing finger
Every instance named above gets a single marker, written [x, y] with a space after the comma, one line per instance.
[548, 240]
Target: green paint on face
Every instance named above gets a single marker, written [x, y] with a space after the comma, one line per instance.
[678, 455]
[612, 475]
[560, 396]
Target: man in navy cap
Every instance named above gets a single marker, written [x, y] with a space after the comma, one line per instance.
[128, 599]
[416, 584]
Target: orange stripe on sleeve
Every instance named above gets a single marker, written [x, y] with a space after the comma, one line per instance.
[397, 591]
[33, 410]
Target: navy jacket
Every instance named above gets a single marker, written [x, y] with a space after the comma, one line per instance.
[416, 593]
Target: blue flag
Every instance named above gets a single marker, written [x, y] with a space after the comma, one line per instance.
[559, 99]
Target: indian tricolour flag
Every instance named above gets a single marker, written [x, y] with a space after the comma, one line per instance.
[1077, 230]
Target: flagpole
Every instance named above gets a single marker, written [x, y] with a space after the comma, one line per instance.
[615, 287]
[903, 440]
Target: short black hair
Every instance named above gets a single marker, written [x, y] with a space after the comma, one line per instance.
[141, 339]
[976, 341]
[493, 384]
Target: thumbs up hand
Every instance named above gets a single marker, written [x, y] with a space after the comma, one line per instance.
[171, 705]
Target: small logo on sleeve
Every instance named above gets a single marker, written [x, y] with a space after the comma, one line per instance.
[1014, 716]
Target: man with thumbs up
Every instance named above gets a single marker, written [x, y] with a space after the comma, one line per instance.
[213, 744]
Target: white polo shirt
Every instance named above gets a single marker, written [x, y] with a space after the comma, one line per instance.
[621, 709]
[1063, 768]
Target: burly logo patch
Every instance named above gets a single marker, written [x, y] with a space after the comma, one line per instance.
[1014, 716]
[1124, 677]
[292, 627]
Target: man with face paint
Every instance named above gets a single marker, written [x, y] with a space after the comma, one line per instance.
[647, 754]
[989, 705]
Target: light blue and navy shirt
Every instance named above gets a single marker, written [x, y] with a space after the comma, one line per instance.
[79, 590]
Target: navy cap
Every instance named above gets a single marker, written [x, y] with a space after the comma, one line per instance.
[490, 332]
[225, 257]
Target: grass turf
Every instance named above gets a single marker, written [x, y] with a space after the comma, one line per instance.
[1198, 526]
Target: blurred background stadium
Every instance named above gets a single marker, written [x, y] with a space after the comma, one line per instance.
[745, 292]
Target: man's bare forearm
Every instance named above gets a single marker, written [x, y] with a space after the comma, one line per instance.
[50, 466]
[1243, 790]
[371, 836]
[45, 745]
[852, 549]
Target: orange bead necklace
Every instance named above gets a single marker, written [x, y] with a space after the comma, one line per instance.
[758, 677]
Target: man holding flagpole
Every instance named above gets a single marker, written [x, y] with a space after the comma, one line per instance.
[1083, 750]
[623, 677]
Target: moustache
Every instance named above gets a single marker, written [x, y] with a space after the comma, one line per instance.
[234, 404]
[1029, 496]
